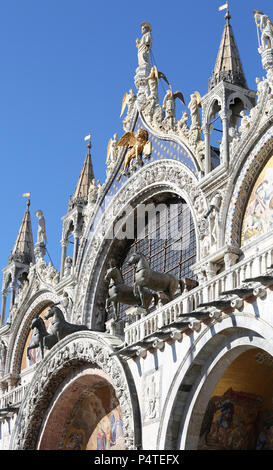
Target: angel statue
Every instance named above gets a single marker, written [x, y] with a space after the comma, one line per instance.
[183, 126]
[138, 143]
[41, 236]
[144, 45]
[128, 100]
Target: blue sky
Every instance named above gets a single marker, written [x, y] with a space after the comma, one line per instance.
[65, 66]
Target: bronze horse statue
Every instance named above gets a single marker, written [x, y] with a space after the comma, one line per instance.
[40, 338]
[59, 326]
[121, 293]
[146, 277]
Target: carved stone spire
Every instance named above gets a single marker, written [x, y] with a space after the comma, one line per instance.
[23, 250]
[86, 177]
[19, 262]
[228, 66]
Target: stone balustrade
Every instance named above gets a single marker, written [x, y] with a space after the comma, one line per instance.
[13, 397]
[209, 290]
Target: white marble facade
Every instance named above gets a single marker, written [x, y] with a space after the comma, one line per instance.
[163, 366]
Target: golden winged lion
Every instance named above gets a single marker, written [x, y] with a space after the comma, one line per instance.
[138, 143]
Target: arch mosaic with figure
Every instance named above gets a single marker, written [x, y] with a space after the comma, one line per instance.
[258, 218]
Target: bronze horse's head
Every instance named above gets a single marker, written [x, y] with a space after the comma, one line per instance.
[51, 311]
[108, 274]
[113, 275]
[35, 322]
[134, 259]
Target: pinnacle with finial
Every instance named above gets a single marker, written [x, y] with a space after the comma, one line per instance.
[86, 176]
[228, 66]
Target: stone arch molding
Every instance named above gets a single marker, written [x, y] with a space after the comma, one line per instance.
[200, 370]
[81, 348]
[21, 328]
[233, 209]
[164, 175]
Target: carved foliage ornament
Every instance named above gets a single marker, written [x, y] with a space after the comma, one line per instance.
[71, 354]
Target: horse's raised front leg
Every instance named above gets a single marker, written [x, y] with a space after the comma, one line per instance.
[34, 346]
[107, 304]
[41, 344]
[141, 296]
[115, 311]
[135, 290]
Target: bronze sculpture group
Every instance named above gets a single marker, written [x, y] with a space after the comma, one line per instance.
[147, 283]
[142, 294]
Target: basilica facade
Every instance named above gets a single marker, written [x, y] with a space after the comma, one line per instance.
[157, 332]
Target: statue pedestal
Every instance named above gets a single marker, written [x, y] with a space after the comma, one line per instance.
[115, 328]
[135, 313]
[267, 58]
[141, 84]
[40, 250]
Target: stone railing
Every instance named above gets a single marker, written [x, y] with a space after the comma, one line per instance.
[14, 397]
[208, 291]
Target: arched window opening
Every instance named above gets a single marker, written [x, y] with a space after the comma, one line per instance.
[167, 240]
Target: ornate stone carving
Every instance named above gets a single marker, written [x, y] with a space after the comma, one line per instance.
[71, 353]
[93, 191]
[169, 121]
[112, 154]
[46, 273]
[151, 393]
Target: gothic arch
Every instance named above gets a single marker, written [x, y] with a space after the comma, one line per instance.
[159, 177]
[237, 95]
[69, 355]
[244, 175]
[197, 375]
[215, 100]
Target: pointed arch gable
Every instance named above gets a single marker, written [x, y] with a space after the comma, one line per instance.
[76, 350]
[247, 174]
[160, 176]
[21, 328]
